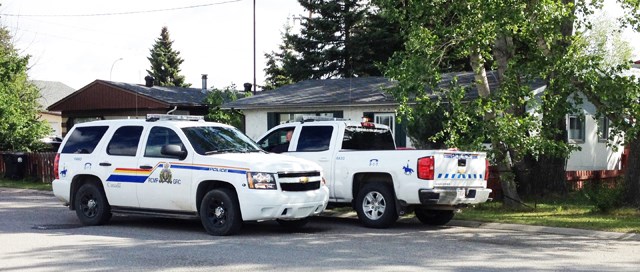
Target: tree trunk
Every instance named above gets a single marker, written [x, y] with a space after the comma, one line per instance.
[632, 173]
[503, 160]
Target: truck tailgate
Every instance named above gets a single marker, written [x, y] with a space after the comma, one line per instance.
[459, 169]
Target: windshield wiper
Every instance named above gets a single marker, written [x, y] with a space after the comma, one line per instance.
[226, 150]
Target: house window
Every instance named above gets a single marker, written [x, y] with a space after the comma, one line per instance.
[576, 129]
[385, 119]
[603, 129]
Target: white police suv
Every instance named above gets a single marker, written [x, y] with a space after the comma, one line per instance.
[181, 166]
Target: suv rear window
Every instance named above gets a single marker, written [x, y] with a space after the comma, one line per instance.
[84, 139]
[360, 138]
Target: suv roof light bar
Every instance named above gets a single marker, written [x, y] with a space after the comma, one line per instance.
[170, 117]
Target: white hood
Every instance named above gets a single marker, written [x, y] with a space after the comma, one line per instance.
[261, 162]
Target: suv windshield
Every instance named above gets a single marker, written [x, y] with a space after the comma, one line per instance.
[212, 140]
[361, 138]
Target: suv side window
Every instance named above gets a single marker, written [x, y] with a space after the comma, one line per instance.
[159, 137]
[314, 138]
[83, 140]
[278, 140]
[125, 141]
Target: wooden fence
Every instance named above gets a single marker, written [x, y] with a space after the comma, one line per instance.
[37, 165]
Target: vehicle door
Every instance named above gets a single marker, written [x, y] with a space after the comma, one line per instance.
[278, 141]
[119, 161]
[314, 142]
[168, 182]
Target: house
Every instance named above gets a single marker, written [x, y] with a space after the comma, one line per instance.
[102, 99]
[51, 92]
[355, 98]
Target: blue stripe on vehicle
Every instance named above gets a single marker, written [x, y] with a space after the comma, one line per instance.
[208, 168]
[459, 176]
[127, 178]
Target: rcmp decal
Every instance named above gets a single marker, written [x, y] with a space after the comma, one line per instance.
[137, 175]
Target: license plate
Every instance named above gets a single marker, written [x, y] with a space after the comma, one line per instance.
[460, 193]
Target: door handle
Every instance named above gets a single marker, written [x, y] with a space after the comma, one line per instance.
[104, 164]
[323, 160]
[146, 166]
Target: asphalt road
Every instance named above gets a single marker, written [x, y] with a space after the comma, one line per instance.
[38, 234]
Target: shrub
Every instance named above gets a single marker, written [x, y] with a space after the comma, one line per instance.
[605, 197]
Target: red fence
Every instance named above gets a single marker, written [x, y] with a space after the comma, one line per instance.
[38, 165]
[575, 179]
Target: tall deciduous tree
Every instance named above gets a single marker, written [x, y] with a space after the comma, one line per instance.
[338, 39]
[20, 129]
[165, 62]
[523, 42]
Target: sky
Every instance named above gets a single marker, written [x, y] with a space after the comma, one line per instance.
[215, 38]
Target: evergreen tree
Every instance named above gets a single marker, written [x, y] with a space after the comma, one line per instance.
[165, 62]
[20, 129]
[339, 39]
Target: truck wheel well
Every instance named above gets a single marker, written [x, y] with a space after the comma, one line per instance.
[78, 181]
[360, 179]
[208, 185]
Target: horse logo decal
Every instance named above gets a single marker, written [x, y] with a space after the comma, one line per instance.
[407, 170]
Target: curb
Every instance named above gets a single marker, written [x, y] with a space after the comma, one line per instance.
[548, 230]
[605, 235]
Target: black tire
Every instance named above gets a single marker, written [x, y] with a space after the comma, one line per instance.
[293, 224]
[434, 217]
[92, 207]
[220, 212]
[376, 206]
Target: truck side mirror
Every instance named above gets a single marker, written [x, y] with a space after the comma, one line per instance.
[174, 150]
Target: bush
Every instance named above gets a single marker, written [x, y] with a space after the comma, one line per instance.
[603, 196]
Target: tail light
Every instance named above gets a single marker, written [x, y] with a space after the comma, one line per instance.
[56, 166]
[486, 170]
[426, 168]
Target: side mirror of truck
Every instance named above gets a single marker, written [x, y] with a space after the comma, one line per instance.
[174, 150]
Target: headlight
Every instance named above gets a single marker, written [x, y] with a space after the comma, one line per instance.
[261, 181]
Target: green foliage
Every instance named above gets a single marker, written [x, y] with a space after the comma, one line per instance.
[20, 129]
[344, 38]
[215, 99]
[165, 62]
[603, 196]
[523, 43]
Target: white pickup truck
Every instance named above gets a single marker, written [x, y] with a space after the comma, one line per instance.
[363, 169]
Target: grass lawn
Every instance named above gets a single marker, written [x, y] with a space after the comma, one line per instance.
[574, 211]
[25, 184]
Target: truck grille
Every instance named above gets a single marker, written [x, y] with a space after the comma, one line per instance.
[299, 187]
[298, 174]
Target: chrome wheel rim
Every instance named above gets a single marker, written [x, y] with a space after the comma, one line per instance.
[374, 205]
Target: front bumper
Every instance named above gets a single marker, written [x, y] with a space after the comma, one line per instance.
[453, 196]
[263, 205]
